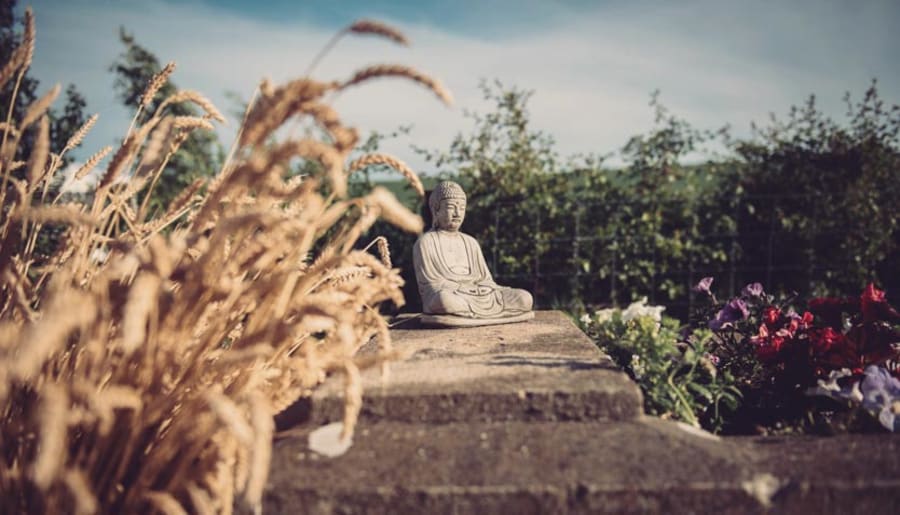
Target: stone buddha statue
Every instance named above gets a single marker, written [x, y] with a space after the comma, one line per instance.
[454, 282]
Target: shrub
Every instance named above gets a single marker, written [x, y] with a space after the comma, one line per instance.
[679, 378]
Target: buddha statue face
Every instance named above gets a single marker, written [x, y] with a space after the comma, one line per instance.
[450, 214]
[448, 206]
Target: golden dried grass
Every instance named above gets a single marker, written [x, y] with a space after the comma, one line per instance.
[396, 70]
[91, 163]
[379, 29]
[393, 162]
[201, 101]
[79, 135]
[39, 107]
[141, 370]
[157, 82]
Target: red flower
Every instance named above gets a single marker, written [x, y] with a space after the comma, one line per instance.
[875, 307]
[793, 325]
[823, 340]
[770, 315]
[807, 319]
[767, 350]
[829, 309]
[870, 301]
[767, 347]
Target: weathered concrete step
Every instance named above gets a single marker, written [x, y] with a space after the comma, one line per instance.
[638, 466]
[542, 370]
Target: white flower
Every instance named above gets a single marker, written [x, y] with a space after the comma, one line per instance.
[637, 366]
[831, 388]
[604, 315]
[641, 309]
[585, 319]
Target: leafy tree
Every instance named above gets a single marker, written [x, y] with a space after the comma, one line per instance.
[15, 97]
[62, 124]
[670, 217]
[514, 198]
[578, 233]
[828, 193]
[804, 205]
[199, 156]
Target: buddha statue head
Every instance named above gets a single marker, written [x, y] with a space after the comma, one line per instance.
[448, 206]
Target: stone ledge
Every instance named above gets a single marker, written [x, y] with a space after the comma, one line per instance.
[532, 418]
[545, 369]
[642, 466]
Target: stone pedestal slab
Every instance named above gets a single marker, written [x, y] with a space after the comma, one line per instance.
[545, 369]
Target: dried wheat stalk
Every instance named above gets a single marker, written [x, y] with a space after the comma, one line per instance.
[91, 163]
[393, 162]
[393, 70]
[79, 135]
[157, 82]
[379, 29]
[198, 99]
[141, 370]
[38, 108]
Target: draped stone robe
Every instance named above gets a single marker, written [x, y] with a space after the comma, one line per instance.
[473, 294]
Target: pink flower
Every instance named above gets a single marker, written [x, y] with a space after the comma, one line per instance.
[704, 285]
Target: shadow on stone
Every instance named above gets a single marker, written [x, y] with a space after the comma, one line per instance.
[571, 364]
[430, 353]
[297, 413]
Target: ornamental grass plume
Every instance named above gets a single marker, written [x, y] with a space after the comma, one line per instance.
[141, 363]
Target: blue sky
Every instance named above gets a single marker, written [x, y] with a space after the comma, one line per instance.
[591, 64]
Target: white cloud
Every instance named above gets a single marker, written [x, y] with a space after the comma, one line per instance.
[78, 186]
[592, 71]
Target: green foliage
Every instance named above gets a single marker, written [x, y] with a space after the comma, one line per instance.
[678, 378]
[199, 156]
[62, 124]
[803, 204]
[830, 192]
[591, 233]
[516, 202]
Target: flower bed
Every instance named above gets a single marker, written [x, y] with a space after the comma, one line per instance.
[757, 364]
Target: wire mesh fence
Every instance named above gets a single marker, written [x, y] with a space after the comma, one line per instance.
[575, 255]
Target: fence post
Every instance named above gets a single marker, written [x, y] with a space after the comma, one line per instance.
[574, 285]
[537, 254]
[496, 242]
[613, 270]
[732, 254]
[771, 249]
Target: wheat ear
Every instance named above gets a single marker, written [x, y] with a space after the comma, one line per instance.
[393, 162]
[379, 29]
[92, 162]
[79, 135]
[394, 70]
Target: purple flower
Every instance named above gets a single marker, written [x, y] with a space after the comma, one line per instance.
[703, 285]
[753, 290]
[735, 310]
[881, 395]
